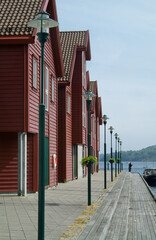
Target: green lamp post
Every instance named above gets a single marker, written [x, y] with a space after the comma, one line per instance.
[118, 161]
[104, 118]
[111, 155]
[116, 139]
[89, 96]
[42, 22]
[120, 156]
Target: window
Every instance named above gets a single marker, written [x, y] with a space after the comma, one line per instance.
[46, 88]
[68, 103]
[52, 90]
[34, 73]
[83, 70]
[83, 112]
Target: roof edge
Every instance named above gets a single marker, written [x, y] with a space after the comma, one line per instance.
[56, 43]
[87, 44]
[23, 39]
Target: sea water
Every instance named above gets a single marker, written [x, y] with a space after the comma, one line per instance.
[138, 167]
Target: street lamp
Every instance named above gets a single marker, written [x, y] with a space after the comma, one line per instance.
[104, 118]
[111, 156]
[118, 154]
[116, 138]
[89, 96]
[42, 22]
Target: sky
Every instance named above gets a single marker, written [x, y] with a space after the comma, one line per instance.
[123, 51]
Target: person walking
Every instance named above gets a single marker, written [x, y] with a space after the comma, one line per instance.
[130, 166]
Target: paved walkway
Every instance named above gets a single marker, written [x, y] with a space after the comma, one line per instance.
[18, 215]
[128, 212]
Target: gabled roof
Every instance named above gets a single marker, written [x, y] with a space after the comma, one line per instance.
[71, 42]
[14, 15]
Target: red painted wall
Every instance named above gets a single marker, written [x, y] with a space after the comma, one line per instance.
[65, 149]
[69, 148]
[8, 162]
[77, 100]
[51, 116]
[61, 134]
[11, 88]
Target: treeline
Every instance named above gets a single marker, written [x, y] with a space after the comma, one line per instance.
[144, 155]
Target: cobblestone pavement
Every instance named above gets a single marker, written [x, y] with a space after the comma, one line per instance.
[64, 204]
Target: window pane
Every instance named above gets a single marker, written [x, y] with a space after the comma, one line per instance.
[53, 97]
[68, 103]
[83, 112]
[34, 73]
[46, 88]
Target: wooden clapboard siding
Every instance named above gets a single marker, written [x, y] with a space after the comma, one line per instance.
[52, 123]
[34, 94]
[69, 147]
[8, 162]
[51, 116]
[61, 134]
[65, 152]
[11, 88]
[77, 100]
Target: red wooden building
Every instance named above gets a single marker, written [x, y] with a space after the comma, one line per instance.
[20, 55]
[73, 125]
[72, 133]
[96, 121]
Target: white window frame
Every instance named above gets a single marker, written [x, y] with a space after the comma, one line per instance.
[68, 103]
[34, 72]
[52, 89]
[46, 88]
[83, 112]
[83, 70]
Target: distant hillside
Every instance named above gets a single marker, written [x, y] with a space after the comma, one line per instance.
[145, 155]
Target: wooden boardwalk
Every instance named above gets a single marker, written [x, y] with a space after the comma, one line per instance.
[128, 212]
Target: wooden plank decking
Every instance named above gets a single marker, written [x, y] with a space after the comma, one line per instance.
[128, 212]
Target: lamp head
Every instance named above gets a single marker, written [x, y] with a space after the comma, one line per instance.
[88, 95]
[116, 135]
[111, 129]
[42, 22]
[104, 118]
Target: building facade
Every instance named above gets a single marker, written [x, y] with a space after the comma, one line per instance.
[20, 97]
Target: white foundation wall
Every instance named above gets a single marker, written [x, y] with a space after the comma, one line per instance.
[79, 158]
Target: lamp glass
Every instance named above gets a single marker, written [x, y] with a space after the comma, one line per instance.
[105, 118]
[116, 135]
[42, 22]
[88, 95]
[111, 128]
